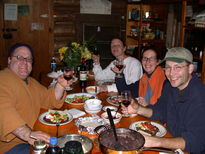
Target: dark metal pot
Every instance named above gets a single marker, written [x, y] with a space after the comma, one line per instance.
[131, 140]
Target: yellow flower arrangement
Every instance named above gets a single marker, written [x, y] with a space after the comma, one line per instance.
[72, 55]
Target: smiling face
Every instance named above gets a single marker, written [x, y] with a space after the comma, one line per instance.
[149, 61]
[21, 68]
[117, 48]
[178, 74]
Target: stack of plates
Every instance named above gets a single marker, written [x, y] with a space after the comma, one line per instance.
[92, 111]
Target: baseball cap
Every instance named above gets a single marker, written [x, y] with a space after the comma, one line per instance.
[178, 54]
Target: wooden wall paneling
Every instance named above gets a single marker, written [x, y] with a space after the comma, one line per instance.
[64, 13]
[3, 59]
[183, 21]
[20, 32]
[119, 8]
[42, 38]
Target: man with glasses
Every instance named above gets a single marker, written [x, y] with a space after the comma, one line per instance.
[181, 105]
[21, 98]
[151, 83]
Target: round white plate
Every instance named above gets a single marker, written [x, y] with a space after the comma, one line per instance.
[54, 74]
[41, 119]
[68, 88]
[109, 100]
[77, 94]
[162, 129]
[112, 108]
[105, 82]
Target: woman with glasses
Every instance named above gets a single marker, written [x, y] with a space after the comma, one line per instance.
[152, 81]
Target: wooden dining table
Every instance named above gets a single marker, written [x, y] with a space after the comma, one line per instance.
[71, 127]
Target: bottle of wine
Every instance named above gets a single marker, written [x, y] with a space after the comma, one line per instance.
[53, 64]
[83, 74]
[53, 147]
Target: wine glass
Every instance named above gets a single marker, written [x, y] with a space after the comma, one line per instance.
[126, 99]
[119, 64]
[68, 74]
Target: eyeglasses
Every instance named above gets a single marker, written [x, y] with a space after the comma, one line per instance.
[21, 58]
[151, 59]
[174, 68]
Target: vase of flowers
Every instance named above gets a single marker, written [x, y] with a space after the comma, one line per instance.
[73, 54]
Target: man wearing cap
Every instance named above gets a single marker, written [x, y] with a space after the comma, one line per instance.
[21, 98]
[181, 105]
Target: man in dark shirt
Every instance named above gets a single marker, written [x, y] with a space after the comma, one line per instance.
[181, 105]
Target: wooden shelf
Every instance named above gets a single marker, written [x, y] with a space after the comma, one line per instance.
[194, 28]
[191, 28]
[157, 24]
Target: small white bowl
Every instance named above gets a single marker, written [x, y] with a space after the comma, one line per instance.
[93, 104]
[116, 120]
[92, 111]
[91, 89]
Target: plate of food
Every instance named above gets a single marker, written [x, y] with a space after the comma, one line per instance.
[92, 89]
[78, 98]
[112, 108]
[53, 117]
[105, 82]
[112, 100]
[149, 128]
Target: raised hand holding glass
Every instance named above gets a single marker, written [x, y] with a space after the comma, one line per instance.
[119, 64]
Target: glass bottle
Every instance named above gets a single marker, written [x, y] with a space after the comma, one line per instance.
[53, 147]
[53, 64]
[73, 147]
[39, 147]
[83, 74]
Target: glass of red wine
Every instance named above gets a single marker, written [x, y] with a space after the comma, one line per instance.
[119, 65]
[126, 99]
[68, 73]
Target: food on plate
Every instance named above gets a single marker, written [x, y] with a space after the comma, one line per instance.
[55, 117]
[91, 89]
[112, 108]
[79, 99]
[147, 128]
[115, 115]
[113, 100]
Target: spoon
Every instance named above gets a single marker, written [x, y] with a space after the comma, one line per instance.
[57, 125]
[118, 146]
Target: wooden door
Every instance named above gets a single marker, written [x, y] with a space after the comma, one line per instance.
[33, 27]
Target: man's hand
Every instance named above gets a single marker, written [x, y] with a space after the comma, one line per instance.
[63, 82]
[132, 108]
[142, 101]
[38, 135]
[135, 108]
[163, 142]
[61, 85]
[25, 133]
